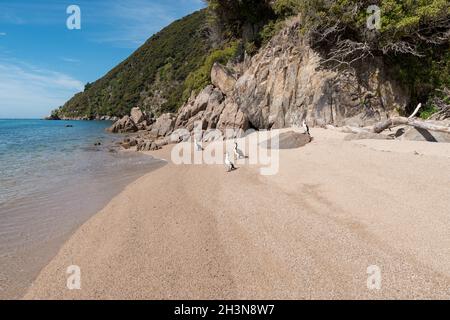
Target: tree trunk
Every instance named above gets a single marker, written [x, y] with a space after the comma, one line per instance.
[399, 121]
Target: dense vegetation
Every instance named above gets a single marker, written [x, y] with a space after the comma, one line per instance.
[413, 38]
[234, 15]
[200, 78]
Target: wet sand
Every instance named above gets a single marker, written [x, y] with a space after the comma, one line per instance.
[35, 226]
[310, 232]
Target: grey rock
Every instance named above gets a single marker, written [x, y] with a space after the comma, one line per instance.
[137, 115]
[162, 142]
[179, 135]
[232, 117]
[285, 83]
[415, 134]
[164, 125]
[126, 124]
[288, 140]
[203, 110]
[367, 136]
[222, 78]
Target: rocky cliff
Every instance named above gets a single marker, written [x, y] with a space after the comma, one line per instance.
[283, 85]
[286, 83]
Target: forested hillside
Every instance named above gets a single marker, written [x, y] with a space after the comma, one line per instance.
[152, 77]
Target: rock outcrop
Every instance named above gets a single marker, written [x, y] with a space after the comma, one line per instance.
[286, 83]
[164, 125]
[282, 85]
[223, 78]
[126, 124]
[232, 117]
[206, 108]
[137, 115]
[212, 109]
[138, 120]
[288, 140]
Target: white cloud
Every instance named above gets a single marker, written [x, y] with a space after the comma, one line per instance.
[28, 91]
[70, 60]
[2, 34]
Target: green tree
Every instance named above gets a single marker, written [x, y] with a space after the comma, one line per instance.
[233, 15]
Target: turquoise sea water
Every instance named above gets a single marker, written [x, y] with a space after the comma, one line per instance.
[52, 179]
[35, 151]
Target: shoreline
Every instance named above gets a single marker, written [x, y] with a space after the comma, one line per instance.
[310, 232]
[41, 254]
[42, 209]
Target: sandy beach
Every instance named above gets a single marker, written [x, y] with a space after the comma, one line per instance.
[310, 232]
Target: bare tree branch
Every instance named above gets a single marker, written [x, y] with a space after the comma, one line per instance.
[415, 111]
[398, 121]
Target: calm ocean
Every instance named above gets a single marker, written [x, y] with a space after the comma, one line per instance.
[52, 179]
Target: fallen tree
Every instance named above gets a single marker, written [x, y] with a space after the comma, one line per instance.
[441, 101]
[400, 121]
[411, 121]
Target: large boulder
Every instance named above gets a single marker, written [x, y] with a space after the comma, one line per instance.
[205, 108]
[232, 117]
[211, 110]
[367, 136]
[164, 125]
[147, 145]
[193, 107]
[126, 124]
[222, 78]
[288, 140]
[144, 125]
[137, 115]
[416, 134]
[286, 83]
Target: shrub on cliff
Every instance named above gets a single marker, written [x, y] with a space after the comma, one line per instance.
[413, 36]
[241, 19]
[201, 77]
[233, 15]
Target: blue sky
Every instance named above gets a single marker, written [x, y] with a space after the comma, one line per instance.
[43, 63]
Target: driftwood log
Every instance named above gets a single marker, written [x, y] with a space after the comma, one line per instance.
[411, 121]
[400, 121]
